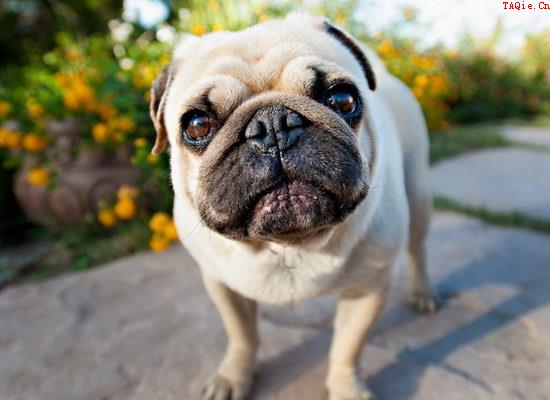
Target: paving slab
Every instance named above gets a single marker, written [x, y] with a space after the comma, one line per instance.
[532, 135]
[143, 328]
[511, 179]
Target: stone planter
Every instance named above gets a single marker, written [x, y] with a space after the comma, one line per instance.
[81, 183]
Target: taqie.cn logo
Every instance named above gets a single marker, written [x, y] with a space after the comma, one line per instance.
[522, 5]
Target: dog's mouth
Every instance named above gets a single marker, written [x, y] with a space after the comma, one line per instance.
[291, 209]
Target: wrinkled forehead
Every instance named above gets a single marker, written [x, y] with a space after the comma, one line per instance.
[268, 56]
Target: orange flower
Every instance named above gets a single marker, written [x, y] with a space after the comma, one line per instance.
[63, 79]
[105, 111]
[9, 139]
[100, 132]
[35, 110]
[5, 108]
[170, 232]
[158, 243]
[127, 192]
[107, 218]
[38, 176]
[71, 100]
[125, 209]
[140, 142]
[34, 143]
[159, 221]
[341, 19]
[386, 49]
[421, 80]
[14, 140]
[124, 124]
[198, 29]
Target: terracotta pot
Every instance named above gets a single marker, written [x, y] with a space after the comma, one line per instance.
[81, 183]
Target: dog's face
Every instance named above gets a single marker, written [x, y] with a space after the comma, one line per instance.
[264, 127]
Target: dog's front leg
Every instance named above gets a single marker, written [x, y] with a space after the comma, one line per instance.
[356, 314]
[233, 378]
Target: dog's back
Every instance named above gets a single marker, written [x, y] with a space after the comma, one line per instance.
[411, 128]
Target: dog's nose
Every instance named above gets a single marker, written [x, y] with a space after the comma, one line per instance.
[274, 129]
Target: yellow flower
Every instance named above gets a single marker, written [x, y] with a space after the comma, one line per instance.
[159, 221]
[386, 49]
[421, 80]
[158, 243]
[100, 132]
[107, 218]
[13, 140]
[263, 18]
[71, 100]
[84, 91]
[423, 62]
[63, 79]
[35, 110]
[38, 176]
[4, 133]
[418, 92]
[5, 108]
[217, 27]
[170, 232]
[34, 143]
[105, 111]
[127, 192]
[152, 159]
[125, 209]
[124, 124]
[341, 19]
[198, 29]
[140, 142]
[144, 75]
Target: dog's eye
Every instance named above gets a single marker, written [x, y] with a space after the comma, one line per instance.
[197, 125]
[342, 101]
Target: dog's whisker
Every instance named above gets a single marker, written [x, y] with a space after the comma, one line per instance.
[192, 230]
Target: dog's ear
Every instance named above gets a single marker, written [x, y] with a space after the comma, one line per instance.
[156, 111]
[354, 48]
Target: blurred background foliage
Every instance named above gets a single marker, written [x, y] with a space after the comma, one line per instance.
[93, 61]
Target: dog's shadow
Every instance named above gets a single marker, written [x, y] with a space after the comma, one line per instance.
[400, 378]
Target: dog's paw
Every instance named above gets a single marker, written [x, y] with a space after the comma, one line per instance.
[424, 301]
[345, 384]
[352, 392]
[218, 387]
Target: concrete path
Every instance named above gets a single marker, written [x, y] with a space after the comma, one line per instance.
[510, 179]
[532, 135]
[143, 328]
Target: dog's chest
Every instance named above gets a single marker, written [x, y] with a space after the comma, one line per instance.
[278, 276]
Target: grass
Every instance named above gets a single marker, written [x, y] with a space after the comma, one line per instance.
[499, 218]
[79, 250]
[476, 137]
[462, 139]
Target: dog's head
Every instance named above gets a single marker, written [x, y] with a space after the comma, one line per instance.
[264, 126]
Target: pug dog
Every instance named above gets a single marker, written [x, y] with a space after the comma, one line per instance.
[299, 166]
